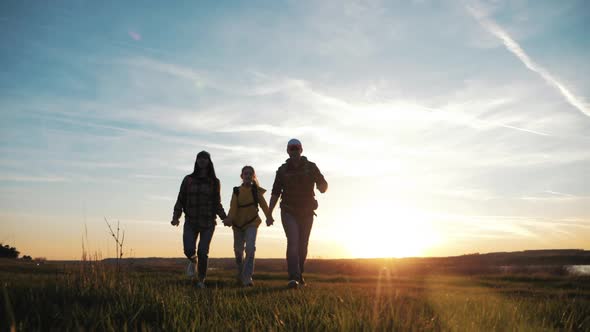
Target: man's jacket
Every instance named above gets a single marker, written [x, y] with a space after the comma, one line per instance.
[295, 186]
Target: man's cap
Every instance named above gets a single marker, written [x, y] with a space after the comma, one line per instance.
[294, 141]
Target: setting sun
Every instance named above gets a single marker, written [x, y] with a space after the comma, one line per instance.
[402, 233]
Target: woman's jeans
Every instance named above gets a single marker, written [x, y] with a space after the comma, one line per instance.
[297, 230]
[245, 266]
[189, 239]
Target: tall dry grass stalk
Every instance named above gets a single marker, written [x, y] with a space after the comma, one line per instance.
[119, 238]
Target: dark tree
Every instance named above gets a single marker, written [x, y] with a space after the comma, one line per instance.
[7, 251]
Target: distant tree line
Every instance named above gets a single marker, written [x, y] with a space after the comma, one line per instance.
[7, 251]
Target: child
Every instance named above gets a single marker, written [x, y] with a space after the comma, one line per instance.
[244, 219]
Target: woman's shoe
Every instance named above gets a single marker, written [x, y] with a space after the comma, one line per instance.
[190, 269]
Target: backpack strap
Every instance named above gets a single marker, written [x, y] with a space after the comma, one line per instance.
[254, 195]
[246, 224]
[255, 202]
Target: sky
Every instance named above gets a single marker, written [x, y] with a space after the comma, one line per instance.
[442, 127]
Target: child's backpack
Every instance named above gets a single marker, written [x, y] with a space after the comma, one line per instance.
[254, 194]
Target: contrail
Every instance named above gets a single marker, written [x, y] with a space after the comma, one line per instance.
[515, 49]
[524, 129]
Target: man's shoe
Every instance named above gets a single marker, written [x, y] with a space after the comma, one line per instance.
[302, 282]
[293, 284]
[190, 269]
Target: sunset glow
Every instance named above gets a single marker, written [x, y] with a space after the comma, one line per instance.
[442, 128]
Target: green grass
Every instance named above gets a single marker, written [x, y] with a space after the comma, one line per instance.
[92, 296]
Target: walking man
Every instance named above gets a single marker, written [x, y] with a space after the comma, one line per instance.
[294, 183]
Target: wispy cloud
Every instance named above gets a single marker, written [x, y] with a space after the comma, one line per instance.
[162, 198]
[513, 47]
[283, 131]
[155, 177]
[507, 226]
[550, 195]
[523, 129]
[167, 68]
[22, 178]
[559, 193]
[143, 222]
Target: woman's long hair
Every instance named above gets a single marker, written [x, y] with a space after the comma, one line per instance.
[254, 178]
[210, 168]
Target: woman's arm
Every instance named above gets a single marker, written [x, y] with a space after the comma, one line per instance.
[179, 206]
[219, 208]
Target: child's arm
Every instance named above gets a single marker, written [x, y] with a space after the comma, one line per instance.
[233, 207]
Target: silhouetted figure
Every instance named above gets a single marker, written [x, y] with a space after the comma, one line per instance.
[295, 181]
[244, 219]
[200, 200]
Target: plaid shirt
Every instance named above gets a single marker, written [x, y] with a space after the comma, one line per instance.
[200, 200]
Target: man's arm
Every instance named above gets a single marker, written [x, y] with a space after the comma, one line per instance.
[319, 180]
[277, 189]
[273, 202]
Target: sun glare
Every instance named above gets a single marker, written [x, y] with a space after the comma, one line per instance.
[402, 233]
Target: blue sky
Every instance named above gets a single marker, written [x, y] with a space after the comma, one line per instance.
[443, 128]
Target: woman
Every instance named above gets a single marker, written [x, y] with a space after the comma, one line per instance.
[244, 219]
[200, 199]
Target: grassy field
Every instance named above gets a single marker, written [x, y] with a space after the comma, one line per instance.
[93, 296]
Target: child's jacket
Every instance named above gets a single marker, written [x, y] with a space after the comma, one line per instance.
[243, 212]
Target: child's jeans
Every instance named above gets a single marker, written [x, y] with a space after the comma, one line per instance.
[245, 267]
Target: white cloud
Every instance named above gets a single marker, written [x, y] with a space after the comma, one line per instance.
[513, 47]
[155, 177]
[25, 178]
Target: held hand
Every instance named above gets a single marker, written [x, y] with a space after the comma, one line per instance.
[269, 221]
[227, 222]
[175, 222]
